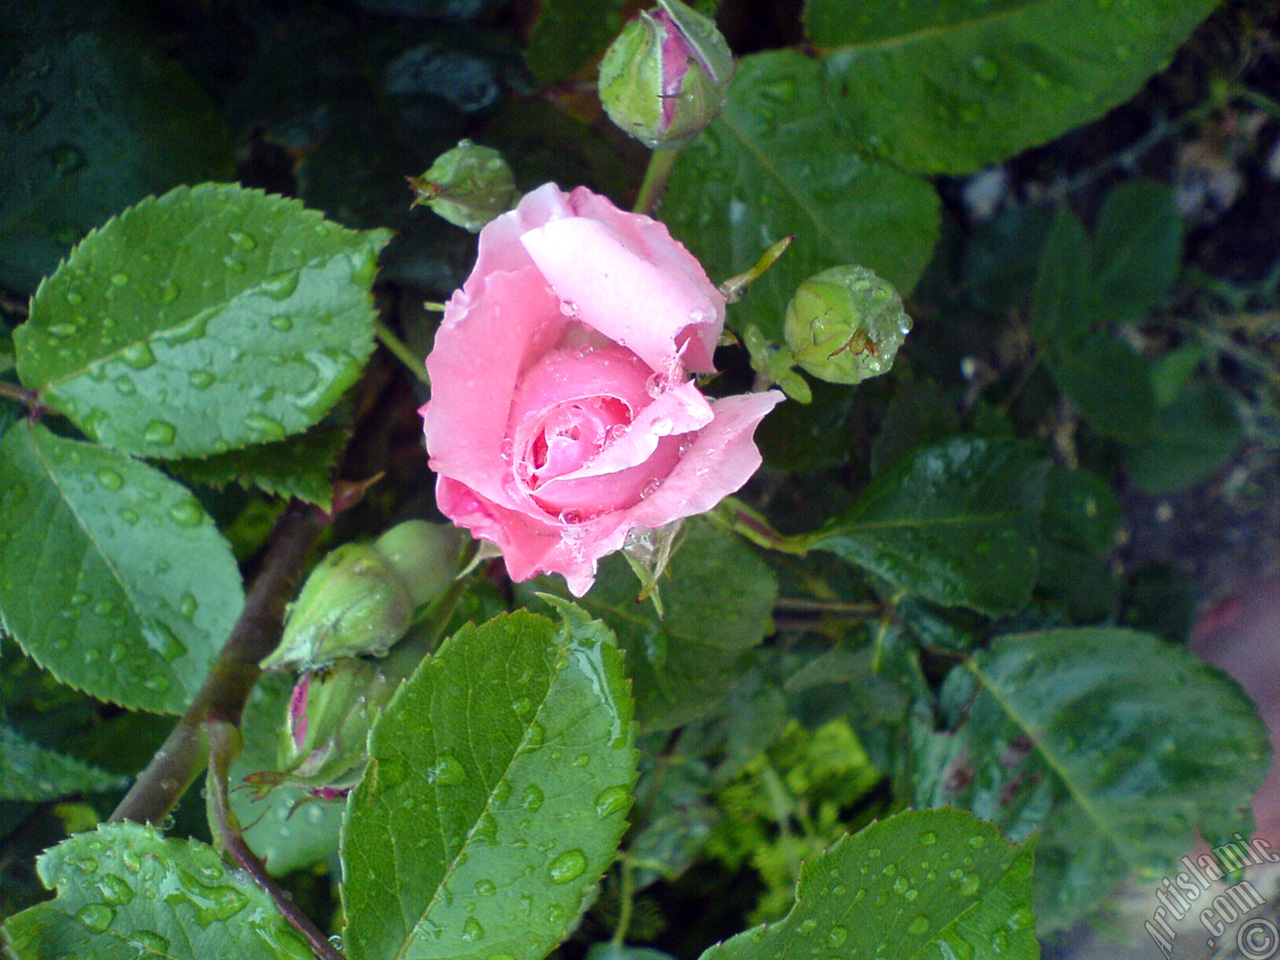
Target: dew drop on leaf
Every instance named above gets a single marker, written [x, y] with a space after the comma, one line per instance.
[567, 866]
[160, 433]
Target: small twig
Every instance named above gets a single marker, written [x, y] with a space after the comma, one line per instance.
[226, 689]
[11, 391]
[401, 351]
[804, 605]
[224, 745]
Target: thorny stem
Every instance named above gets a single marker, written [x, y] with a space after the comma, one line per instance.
[222, 697]
[626, 894]
[655, 180]
[224, 745]
[401, 351]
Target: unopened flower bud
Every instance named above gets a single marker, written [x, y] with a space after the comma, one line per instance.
[468, 186]
[845, 325]
[353, 603]
[666, 76]
[425, 555]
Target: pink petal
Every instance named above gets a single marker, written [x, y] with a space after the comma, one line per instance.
[721, 460]
[621, 293]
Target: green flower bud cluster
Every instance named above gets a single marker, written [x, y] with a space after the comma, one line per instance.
[468, 186]
[666, 76]
[360, 599]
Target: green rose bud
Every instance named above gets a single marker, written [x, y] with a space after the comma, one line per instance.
[353, 603]
[845, 325]
[468, 186]
[425, 555]
[666, 76]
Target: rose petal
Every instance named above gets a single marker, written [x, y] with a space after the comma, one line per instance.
[721, 460]
[619, 292]
[654, 242]
[474, 366]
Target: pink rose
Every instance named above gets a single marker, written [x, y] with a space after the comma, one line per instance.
[563, 414]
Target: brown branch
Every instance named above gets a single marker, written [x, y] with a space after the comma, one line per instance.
[226, 689]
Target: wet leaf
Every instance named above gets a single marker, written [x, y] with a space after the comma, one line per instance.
[207, 319]
[956, 523]
[35, 773]
[137, 590]
[930, 883]
[497, 790]
[126, 893]
[777, 162]
[949, 87]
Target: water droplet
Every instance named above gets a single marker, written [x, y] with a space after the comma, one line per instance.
[160, 433]
[110, 479]
[125, 386]
[129, 516]
[447, 771]
[34, 107]
[234, 264]
[836, 936]
[928, 838]
[612, 800]
[919, 926]
[242, 240]
[201, 379]
[807, 927]
[119, 279]
[187, 607]
[522, 706]
[169, 291]
[282, 323]
[900, 886]
[969, 885]
[156, 684]
[272, 429]
[115, 890]
[567, 866]
[486, 888]
[148, 943]
[532, 797]
[96, 916]
[486, 829]
[104, 608]
[984, 68]
[63, 329]
[873, 852]
[472, 930]
[163, 640]
[976, 842]
[568, 308]
[650, 488]
[280, 286]
[87, 864]
[535, 735]
[187, 513]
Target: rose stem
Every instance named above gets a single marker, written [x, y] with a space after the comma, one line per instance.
[401, 352]
[224, 745]
[655, 180]
[11, 391]
[235, 671]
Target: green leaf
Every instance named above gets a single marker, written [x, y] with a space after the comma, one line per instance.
[497, 790]
[1137, 250]
[1078, 528]
[568, 35]
[932, 883]
[126, 893]
[1060, 300]
[718, 604]
[298, 467]
[1109, 383]
[211, 318]
[1191, 439]
[35, 773]
[956, 523]
[949, 87]
[286, 838]
[94, 122]
[777, 162]
[1116, 720]
[112, 576]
